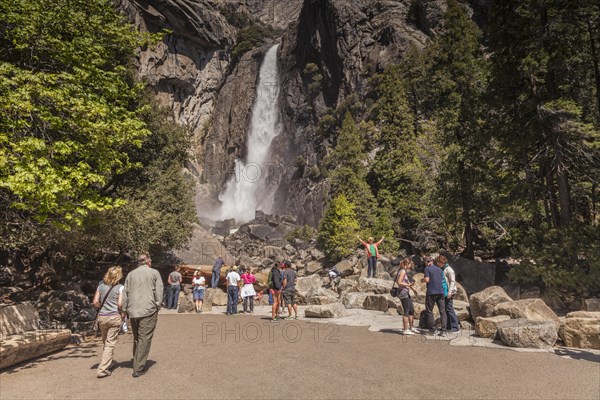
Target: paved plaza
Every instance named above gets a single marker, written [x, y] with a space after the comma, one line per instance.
[211, 355]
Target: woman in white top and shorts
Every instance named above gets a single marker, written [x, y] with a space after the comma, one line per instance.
[198, 292]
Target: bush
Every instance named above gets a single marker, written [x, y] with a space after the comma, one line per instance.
[306, 233]
[338, 229]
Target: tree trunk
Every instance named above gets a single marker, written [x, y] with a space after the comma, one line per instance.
[552, 195]
[530, 179]
[466, 211]
[564, 197]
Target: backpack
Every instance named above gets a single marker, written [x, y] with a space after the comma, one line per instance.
[270, 279]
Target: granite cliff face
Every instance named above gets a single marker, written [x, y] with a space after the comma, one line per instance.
[193, 74]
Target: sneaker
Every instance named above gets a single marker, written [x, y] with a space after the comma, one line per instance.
[275, 319]
[408, 332]
[416, 330]
[104, 375]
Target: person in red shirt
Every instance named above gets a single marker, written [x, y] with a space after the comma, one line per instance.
[372, 252]
[248, 291]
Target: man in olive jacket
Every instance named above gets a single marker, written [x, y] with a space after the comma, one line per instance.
[143, 296]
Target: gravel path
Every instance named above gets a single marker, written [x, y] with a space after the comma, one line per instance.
[216, 356]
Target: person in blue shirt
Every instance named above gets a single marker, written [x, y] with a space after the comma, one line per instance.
[434, 277]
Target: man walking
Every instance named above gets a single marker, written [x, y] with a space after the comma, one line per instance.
[233, 281]
[143, 295]
[434, 277]
[216, 272]
[289, 289]
[452, 324]
[174, 280]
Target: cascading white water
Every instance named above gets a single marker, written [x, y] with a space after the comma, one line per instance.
[248, 191]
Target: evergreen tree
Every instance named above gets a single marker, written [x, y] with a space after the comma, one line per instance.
[338, 229]
[457, 74]
[348, 166]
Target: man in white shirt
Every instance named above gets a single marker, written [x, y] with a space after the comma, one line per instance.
[233, 281]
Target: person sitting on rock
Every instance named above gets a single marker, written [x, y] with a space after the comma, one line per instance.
[372, 252]
[198, 292]
[334, 277]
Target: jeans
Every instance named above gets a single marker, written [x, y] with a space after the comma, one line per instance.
[430, 301]
[173, 296]
[232, 299]
[452, 324]
[372, 263]
[215, 278]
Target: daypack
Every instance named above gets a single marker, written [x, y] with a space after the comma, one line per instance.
[270, 279]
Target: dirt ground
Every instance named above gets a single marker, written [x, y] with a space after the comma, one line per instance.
[239, 357]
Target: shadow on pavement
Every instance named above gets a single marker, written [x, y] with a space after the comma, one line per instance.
[577, 354]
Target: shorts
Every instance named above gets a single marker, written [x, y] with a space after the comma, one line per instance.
[408, 307]
[274, 292]
[198, 294]
[289, 298]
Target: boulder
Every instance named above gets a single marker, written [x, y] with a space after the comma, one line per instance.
[346, 284]
[419, 288]
[379, 302]
[312, 267]
[274, 253]
[392, 312]
[531, 309]
[320, 296]
[461, 293]
[374, 285]
[216, 297]
[316, 254]
[354, 299]
[487, 326]
[186, 304]
[467, 326]
[305, 285]
[555, 303]
[524, 333]
[592, 304]
[346, 267]
[483, 303]
[383, 275]
[60, 310]
[334, 310]
[581, 329]
[462, 310]
[473, 275]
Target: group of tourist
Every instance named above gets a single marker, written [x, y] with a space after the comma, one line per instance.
[139, 300]
[441, 289]
[141, 296]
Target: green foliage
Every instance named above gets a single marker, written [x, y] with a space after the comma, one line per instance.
[250, 38]
[306, 233]
[66, 97]
[87, 163]
[565, 261]
[338, 229]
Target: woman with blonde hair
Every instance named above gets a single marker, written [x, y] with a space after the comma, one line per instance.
[198, 292]
[109, 300]
[405, 284]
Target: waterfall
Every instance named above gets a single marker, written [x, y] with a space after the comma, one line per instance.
[248, 190]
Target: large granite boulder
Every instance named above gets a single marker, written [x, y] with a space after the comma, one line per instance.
[186, 304]
[60, 310]
[462, 310]
[334, 310]
[305, 285]
[524, 333]
[461, 293]
[346, 267]
[354, 299]
[380, 302]
[216, 297]
[320, 296]
[531, 309]
[312, 267]
[486, 327]
[374, 285]
[581, 329]
[274, 253]
[483, 303]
